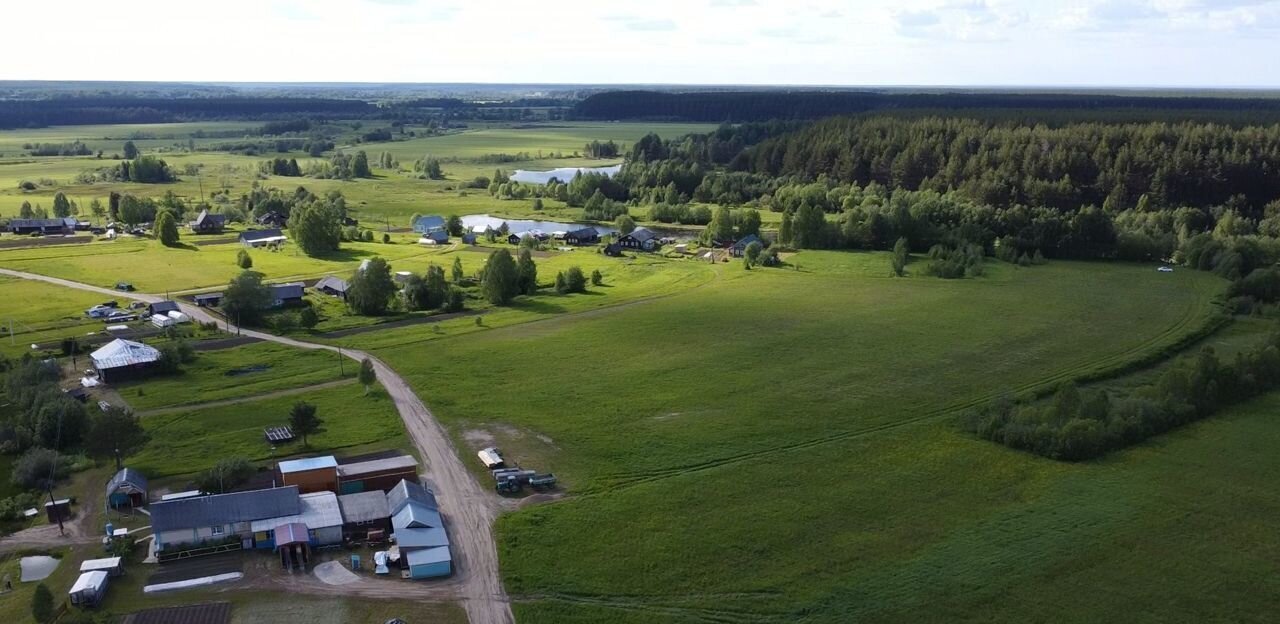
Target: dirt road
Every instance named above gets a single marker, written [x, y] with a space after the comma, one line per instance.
[467, 508]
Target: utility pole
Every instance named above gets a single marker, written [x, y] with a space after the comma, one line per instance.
[54, 506]
[341, 372]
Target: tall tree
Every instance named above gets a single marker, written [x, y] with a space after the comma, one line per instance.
[456, 274]
[899, 260]
[114, 433]
[528, 272]
[61, 205]
[501, 278]
[360, 166]
[625, 224]
[454, 226]
[246, 298]
[367, 375]
[316, 227]
[130, 150]
[371, 288]
[166, 228]
[97, 210]
[303, 420]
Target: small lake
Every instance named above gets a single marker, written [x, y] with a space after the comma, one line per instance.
[563, 174]
[478, 222]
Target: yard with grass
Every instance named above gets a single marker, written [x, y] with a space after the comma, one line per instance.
[236, 373]
[783, 444]
[187, 442]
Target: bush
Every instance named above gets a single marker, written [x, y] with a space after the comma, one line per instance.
[597, 278]
[243, 259]
[225, 475]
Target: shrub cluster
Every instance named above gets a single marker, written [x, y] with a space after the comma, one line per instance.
[1078, 425]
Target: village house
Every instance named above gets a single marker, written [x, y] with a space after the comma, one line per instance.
[428, 224]
[640, 238]
[128, 488]
[739, 248]
[584, 236]
[190, 521]
[121, 360]
[208, 223]
[271, 219]
[332, 286]
[286, 295]
[42, 226]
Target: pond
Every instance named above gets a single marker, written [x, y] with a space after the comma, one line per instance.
[563, 174]
[478, 222]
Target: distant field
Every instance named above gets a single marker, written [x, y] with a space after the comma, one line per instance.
[39, 313]
[392, 195]
[188, 442]
[781, 445]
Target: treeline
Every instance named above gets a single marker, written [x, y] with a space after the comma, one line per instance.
[85, 110]
[1078, 425]
[75, 148]
[729, 106]
[1110, 166]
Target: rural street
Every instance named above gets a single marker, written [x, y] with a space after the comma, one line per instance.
[470, 509]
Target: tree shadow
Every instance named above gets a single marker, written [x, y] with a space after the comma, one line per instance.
[538, 306]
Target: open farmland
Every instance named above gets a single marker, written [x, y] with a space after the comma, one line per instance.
[778, 471]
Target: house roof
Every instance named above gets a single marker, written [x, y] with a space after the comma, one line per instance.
[643, 234]
[415, 515]
[208, 217]
[109, 563]
[317, 510]
[207, 296]
[429, 222]
[440, 236]
[385, 464]
[292, 533]
[270, 215]
[406, 491]
[293, 290]
[219, 509]
[584, 232]
[309, 463]
[424, 556]
[119, 353]
[257, 235]
[332, 283]
[421, 538]
[127, 476]
[162, 307]
[746, 240]
[364, 506]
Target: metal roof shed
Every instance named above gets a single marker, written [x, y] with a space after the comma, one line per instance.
[89, 589]
[421, 538]
[415, 516]
[406, 491]
[364, 507]
[111, 565]
[220, 509]
[310, 463]
[127, 487]
[429, 562]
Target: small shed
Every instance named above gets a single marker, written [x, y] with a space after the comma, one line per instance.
[436, 237]
[491, 457]
[58, 510]
[469, 238]
[89, 589]
[314, 474]
[287, 295]
[127, 488]
[613, 249]
[163, 307]
[363, 512]
[333, 286]
[208, 300]
[113, 566]
[262, 238]
[293, 544]
[429, 562]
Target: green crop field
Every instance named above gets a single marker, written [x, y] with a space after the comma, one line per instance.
[38, 313]
[191, 441]
[233, 373]
[782, 445]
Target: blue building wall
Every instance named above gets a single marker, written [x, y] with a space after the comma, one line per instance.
[430, 570]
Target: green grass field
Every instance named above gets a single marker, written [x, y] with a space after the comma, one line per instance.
[40, 313]
[221, 375]
[782, 445]
[188, 442]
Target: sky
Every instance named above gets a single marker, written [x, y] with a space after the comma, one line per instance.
[1084, 43]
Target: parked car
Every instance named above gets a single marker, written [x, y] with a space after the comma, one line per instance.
[99, 311]
[124, 286]
[120, 316]
[137, 305]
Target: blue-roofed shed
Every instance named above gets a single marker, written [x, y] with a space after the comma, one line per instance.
[127, 488]
[421, 538]
[406, 491]
[429, 562]
[415, 516]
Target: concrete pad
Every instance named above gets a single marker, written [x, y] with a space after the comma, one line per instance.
[334, 573]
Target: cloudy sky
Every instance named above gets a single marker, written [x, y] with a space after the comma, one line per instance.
[1211, 43]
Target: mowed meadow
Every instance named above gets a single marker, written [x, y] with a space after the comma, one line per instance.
[784, 445]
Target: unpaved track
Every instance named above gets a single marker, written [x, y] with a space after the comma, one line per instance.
[468, 508]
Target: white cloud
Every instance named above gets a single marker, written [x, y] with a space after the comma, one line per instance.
[949, 42]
